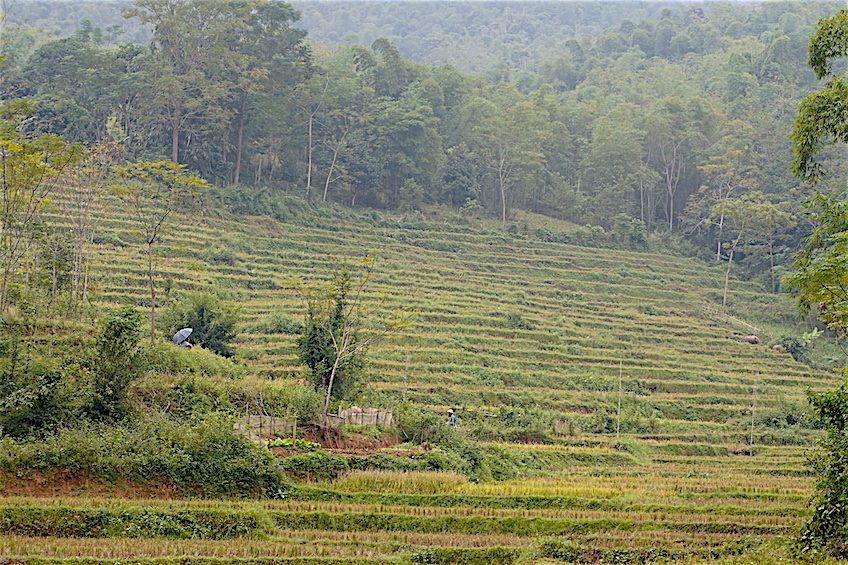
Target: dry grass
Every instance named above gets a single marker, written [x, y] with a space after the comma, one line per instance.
[401, 482]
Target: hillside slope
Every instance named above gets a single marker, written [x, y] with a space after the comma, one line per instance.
[504, 324]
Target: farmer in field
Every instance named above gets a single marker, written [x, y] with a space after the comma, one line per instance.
[451, 418]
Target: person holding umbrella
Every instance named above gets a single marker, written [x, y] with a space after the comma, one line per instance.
[181, 338]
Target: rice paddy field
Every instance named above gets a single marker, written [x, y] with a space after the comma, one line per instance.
[704, 461]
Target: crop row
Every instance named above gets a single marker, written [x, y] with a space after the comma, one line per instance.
[143, 523]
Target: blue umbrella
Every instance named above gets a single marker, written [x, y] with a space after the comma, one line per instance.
[181, 336]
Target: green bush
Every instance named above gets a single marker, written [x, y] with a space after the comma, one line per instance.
[316, 465]
[204, 457]
[118, 363]
[277, 323]
[193, 393]
[826, 532]
[213, 321]
[40, 392]
[418, 424]
[165, 358]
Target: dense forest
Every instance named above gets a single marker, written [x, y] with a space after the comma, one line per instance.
[629, 118]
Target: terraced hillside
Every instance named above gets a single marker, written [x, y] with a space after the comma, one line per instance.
[501, 320]
[545, 339]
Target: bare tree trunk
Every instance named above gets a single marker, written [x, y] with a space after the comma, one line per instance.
[150, 278]
[771, 265]
[325, 413]
[309, 156]
[336, 150]
[175, 132]
[727, 275]
[239, 139]
[330, 173]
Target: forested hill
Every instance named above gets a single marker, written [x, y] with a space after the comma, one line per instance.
[475, 37]
[626, 118]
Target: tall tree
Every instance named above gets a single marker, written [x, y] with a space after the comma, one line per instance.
[152, 192]
[195, 61]
[677, 130]
[82, 203]
[819, 280]
[751, 216]
[728, 172]
[506, 135]
[276, 58]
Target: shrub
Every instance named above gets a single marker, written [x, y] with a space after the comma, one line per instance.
[34, 394]
[316, 465]
[514, 321]
[278, 323]
[416, 423]
[827, 531]
[204, 457]
[118, 362]
[213, 321]
[165, 358]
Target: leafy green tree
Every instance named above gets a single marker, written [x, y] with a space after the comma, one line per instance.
[506, 135]
[275, 58]
[79, 87]
[405, 146]
[315, 345]
[729, 171]
[610, 169]
[826, 532]
[213, 321]
[391, 75]
[194, 66]
[819, 280]
[676, 130]
[117, 362]
[750, 216]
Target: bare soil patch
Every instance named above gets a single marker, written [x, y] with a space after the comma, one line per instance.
[69, 483]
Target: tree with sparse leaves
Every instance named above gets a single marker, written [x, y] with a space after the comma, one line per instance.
[341, 324]
[152, 191]
[31, 167]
